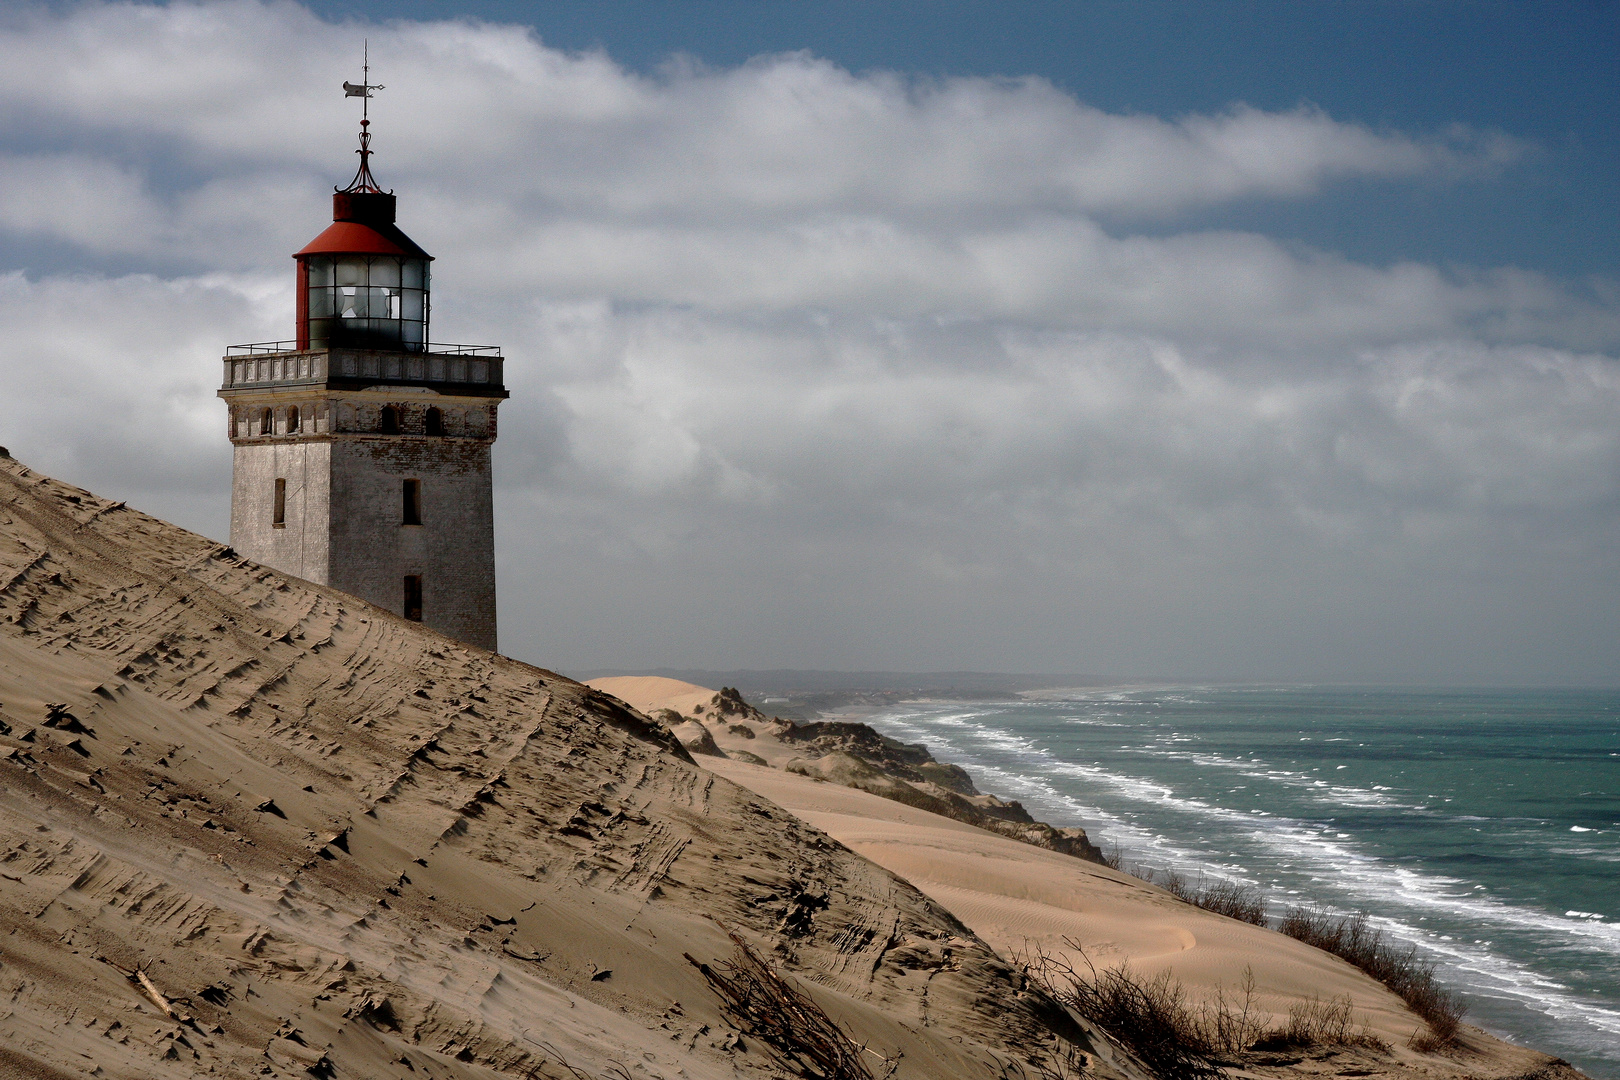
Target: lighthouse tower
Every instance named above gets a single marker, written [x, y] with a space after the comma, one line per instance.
[362, 451]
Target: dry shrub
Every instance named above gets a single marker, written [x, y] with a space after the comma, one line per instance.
[1151, 1018]
[1314, 1022]
[1172, 883]
[1427, 1042]
[1348, 937]
[1234, 901]
[1230, 1026]
[797, 1032]
[1227, 898]
[1148, 1017]
[1411, 978]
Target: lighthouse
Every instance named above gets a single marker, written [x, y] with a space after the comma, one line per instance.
[361, 448]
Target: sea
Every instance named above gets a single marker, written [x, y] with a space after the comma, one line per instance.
[1481, 826]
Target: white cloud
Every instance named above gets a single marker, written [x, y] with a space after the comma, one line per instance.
[78, 199]
[241, 85]
[816, 368]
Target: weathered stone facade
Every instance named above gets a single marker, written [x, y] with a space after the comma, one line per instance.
[370, 471]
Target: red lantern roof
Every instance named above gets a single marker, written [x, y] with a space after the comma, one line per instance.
[353, 238]
[363, 224]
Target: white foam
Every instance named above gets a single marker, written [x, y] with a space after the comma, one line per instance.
[1321, 853]
[1335, 794]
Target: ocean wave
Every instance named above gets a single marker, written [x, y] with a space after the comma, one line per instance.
[1322, 790]
[1332, 855]
[1246, 817]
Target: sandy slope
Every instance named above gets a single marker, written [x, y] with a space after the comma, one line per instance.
[349, 847]
[650, 693]
[1020, 898]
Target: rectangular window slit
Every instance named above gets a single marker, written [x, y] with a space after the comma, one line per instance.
[413, 502]
[413, 597]
[278, 515]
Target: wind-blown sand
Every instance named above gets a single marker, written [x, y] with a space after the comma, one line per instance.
[339, 844]
[1020, 898]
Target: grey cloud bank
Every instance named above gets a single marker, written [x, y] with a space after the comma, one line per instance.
[813, 369]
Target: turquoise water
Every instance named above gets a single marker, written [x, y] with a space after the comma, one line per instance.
[1482, 826]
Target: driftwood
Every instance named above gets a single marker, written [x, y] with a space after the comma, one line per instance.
[160, 1001]
[797, 1032]
[155, 994]
[138, 977]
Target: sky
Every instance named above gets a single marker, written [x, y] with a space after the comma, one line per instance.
[1197, 341]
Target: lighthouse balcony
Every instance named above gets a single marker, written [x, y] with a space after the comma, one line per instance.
[476, 369]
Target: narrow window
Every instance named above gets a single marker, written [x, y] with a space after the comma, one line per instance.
[413, 503]
[413, 597]
[292, 420]
[390, 420]
[435, 422]
[267, 423]
[278, 514]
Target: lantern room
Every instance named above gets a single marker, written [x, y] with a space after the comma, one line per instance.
[363, 283]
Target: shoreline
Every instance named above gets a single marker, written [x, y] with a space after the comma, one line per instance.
[1121, 917]
[1489, 946]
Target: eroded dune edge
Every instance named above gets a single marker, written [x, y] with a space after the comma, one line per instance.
[250, 826]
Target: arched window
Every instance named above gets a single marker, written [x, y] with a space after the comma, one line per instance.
[435, 422]
[267, 423]
[292, 420]
[390, 420]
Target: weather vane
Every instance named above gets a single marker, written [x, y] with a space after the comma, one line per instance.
[363, 180]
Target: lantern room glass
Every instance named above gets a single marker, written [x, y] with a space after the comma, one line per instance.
[368, 302]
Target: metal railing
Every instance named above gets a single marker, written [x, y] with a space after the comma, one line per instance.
[259, 347]
[262, 348]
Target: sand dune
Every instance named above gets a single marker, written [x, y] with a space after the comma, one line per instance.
[338, 844]
[650, 693]
[250, 826]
